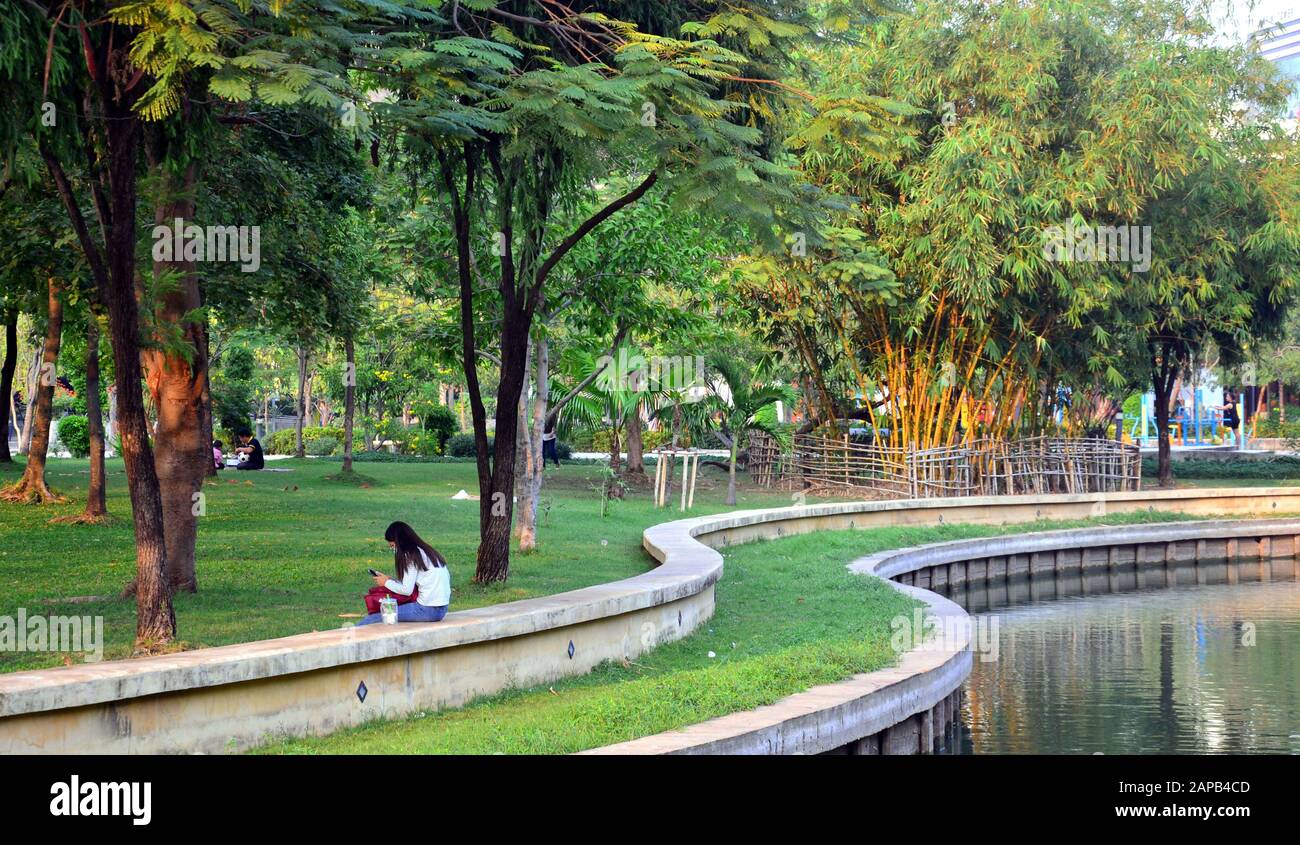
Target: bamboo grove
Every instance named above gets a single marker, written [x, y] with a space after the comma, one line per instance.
[953, 138]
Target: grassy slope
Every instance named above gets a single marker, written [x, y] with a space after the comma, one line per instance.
[789, 616]
[274, 562]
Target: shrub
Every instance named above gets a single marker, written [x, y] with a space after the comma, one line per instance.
[283, 442]
[651, 439]
[462, 445]
[563, 451]
[74, 434]
[1278, 468]
[386, 457]
[441, 423]
[1271, 424]
[322, 446]
[581, 440]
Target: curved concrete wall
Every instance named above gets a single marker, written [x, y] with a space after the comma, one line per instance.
[904, 709]
[231, 697]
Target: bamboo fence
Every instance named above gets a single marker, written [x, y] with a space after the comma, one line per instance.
[986, 467]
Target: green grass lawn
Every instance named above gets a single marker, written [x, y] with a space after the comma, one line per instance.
[789, 616]
[286, 553]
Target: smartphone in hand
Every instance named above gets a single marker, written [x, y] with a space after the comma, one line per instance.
[375, 572]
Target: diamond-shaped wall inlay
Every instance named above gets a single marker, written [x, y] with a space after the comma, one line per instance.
[361, 691]
[571, 649]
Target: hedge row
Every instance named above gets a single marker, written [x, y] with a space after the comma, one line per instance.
[1279, 468]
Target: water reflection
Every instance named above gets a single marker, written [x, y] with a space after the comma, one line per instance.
[1120, 663]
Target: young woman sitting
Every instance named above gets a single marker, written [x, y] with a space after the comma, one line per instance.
[419, 567]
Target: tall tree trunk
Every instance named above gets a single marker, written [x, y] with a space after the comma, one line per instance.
[176, 385]
[1164, 372]
[614, 487]
[298, 450]
[113, 187]
[496, 470]
[496, 473]
[349, 400]
[307, 400]
[523, 439]
[731, 471]
[530, 487]
[206, 425]
[496, 497]
[96, 501]
[31, 487]
[155, 618]
[7, 382]
[33, 381]
[635, 447]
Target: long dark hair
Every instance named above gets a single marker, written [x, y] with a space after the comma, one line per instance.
[408, 546]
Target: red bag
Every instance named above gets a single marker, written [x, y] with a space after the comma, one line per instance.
[377, 593]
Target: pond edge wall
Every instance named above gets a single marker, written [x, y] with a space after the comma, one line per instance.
[906, 709]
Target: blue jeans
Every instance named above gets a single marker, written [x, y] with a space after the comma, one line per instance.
[412, 611]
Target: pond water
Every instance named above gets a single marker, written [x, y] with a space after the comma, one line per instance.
[1105, 665]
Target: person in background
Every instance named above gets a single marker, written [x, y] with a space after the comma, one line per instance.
[550, 451]
[251, 449]
[419, 566]
[1230, 419]
[216, 454]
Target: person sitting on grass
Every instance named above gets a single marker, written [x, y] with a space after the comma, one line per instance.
[419, 567]
[251, 449]
[217, 457]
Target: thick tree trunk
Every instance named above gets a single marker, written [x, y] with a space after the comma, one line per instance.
[298, 450]
[635, 447]
[176, 385]
[114, 271]
[7, 383]
[1164, 457]
[349, 400]
[1164, 373]
[31, 487]
[496, 498]
[96, 501]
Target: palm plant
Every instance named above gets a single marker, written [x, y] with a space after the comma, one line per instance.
[619, 391]
[740, 402]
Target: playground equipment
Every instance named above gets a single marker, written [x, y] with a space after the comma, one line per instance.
[1198, 425]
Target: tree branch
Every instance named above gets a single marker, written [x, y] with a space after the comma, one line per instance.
[582, 231]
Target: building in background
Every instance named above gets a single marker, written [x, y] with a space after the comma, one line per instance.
[1280, 44]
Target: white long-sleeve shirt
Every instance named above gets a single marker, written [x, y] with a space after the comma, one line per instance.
[434, 583]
